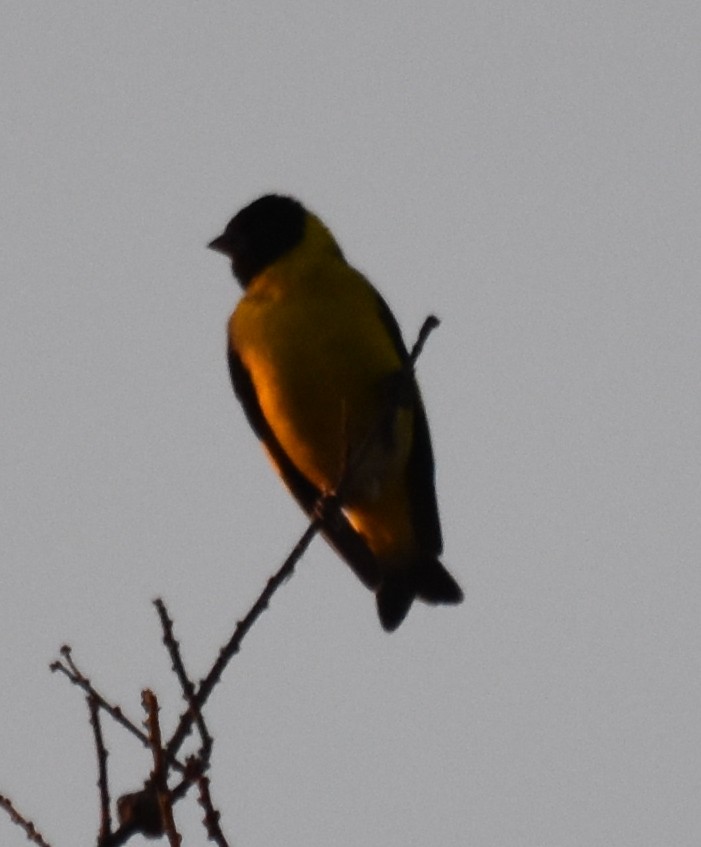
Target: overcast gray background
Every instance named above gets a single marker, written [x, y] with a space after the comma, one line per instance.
[531, 173]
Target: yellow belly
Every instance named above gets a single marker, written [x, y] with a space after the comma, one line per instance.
[320, 366]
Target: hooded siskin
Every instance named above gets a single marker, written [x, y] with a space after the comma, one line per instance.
[313, 352]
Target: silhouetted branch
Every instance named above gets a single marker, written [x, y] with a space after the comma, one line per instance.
[323, 509]
[32, 832]
[427, 327]
[149, 811]
[232, 647]
[159, 775]
[102, 782]
[211, 816]
[71, 671]
[187, 685]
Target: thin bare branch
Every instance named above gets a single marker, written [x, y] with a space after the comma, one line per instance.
[159, 775]
[211, 815]
[427, 327]
[31, 831]
[71, 671]
[150, 811]
[186, 684]
[322, 511]
[102, 784]
[232, 647]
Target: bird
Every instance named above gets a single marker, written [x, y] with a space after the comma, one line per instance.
[314, 354]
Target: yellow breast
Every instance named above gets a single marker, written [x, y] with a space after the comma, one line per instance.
[311, 335]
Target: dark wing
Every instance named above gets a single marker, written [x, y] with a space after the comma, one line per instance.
[337, 530]
[422, 484]
[420, 469]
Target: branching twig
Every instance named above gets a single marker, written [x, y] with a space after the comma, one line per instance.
[159, 776]
[78, 678]
[320, 511]
[185, 682]
[150, 811]
[71, 671]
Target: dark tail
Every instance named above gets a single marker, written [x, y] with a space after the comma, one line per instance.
[429, 581]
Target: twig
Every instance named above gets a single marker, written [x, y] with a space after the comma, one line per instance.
[31, 831]
[211, 815]
[233, 645]
[102, 784]
[427, 327]
[186, 684]
[150, 811]
[78, 678]
[71, 671]
[320, 511]
[159, 776]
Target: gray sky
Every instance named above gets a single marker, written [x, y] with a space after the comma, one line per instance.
[529, 172]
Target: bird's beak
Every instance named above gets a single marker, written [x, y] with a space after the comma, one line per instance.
[220, 244]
